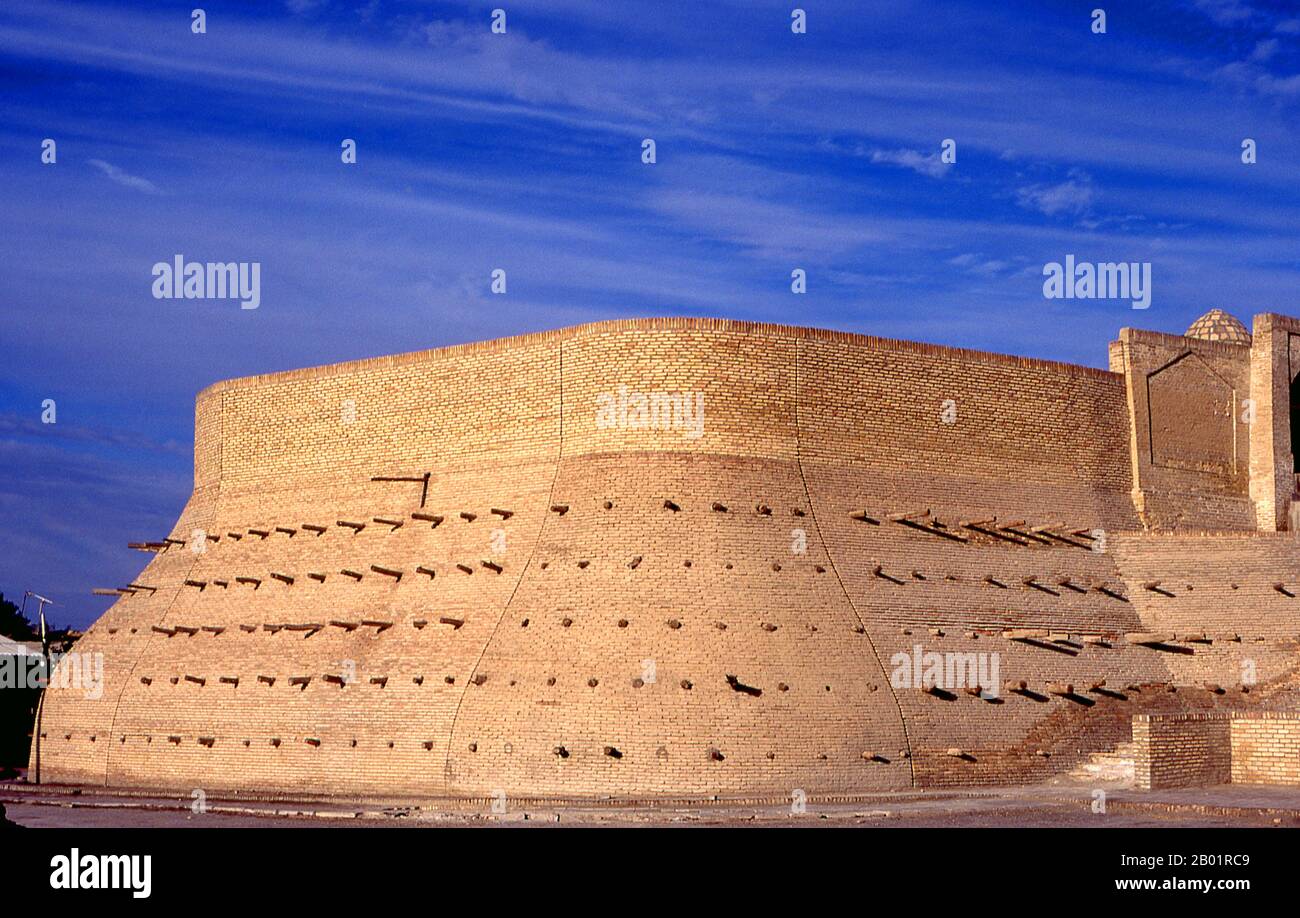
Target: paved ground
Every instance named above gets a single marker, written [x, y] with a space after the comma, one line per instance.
[1228, 805]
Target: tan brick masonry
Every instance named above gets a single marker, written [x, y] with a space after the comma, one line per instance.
[564, 607]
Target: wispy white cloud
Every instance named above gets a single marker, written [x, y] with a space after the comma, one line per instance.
[768, 229]
[1279, 86]
[925, 163]
[125, 179]
[1226, 12]
[1249, 74]
[1073, 196]
[1264, 50]
[978, 263]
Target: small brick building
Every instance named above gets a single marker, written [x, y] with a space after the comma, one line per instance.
[675, 557]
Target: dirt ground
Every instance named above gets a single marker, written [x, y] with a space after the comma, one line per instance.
[1043, 806]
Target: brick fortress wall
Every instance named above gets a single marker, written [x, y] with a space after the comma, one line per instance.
[569, 608]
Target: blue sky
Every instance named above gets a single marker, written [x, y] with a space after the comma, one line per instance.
[522, 151]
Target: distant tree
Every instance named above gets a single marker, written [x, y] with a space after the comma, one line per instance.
[13, 624]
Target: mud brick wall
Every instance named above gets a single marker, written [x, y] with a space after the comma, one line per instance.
[1190, 437]
[442, 573]
[1231, 601]
[1196, 749]
[1274, 364]
[1182, 750]
[1266, 748]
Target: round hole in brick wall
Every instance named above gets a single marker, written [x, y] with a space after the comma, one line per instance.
[609, 505]
[550, 681]
[566, 621]
[686, 684]
[637, 682]
[473, 747]
[450, 680]
[593, 682]
[390, 744]
[782, 687]
[545, 565]
[622, 622]
[686, 563]
[828, 688]
[728, 565]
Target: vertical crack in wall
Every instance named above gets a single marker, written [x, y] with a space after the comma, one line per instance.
[812, 511]
[117, 706]
[528, 562]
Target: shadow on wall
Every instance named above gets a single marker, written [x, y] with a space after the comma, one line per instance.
[17, 714]
[1295, 422]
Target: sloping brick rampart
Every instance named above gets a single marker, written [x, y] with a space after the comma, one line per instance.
[465, 571]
